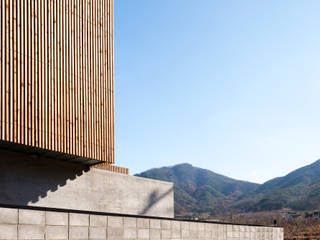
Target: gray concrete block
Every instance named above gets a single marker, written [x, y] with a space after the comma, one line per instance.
[185, 225]
[130, 222]
[115, 233]
[8, 215]
[208, 234]
[115, 222]
[30, 232]
[175, 225]
[130, 233]
[77, 233]
[166, 234]
[155, 224]
[76, 219]
[208, 227]
[193, 225]
[236, 228]
[143, 223]
[8, 232]
[201, 227]
[155, 233]
[143, 234]
[185, 233]
[31, 217]
[56, 232]
[194, 234]
[98, 233]
[57, 218]
[165, 224]
[175, 232]
[98, 221]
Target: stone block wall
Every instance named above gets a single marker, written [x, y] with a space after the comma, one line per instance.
[39, 224]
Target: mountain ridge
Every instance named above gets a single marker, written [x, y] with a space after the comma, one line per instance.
[197, 190]
[200, 191]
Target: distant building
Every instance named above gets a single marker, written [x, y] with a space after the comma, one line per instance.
[291, 215]
[316, 214]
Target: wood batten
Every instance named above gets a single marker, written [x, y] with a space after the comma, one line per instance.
[57, 77]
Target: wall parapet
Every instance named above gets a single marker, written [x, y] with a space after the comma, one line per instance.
[40, 223]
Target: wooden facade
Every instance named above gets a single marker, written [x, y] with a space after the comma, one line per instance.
[57, 77]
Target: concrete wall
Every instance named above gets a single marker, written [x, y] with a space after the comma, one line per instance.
[39, 224]
[33, 181]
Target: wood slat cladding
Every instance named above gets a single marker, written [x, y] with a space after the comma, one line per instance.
[112, 168]
[57, 84]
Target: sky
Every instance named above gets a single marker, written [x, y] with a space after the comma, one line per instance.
[227, 85]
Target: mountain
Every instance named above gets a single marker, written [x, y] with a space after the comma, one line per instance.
[200, 191]
[203, 192]
[299, 190]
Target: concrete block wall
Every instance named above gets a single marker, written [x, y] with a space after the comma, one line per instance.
[52, 225]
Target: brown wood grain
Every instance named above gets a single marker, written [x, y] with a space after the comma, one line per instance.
[57, 76]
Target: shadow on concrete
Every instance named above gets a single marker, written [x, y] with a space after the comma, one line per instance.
[154, 198]
[25, 179]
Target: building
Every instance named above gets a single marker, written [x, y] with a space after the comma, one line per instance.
[57, 103]
[57, 79]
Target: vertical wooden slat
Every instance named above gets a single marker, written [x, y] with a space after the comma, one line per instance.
[2, 7]
[14, 94]
[6, 71]
[49, 77]
[89, 80]
[25, 73]
[102, 81]
[94, 82]
[32, 74]
[76, 77]
[99, 80]
[108, 81]
[63, 97]
[71, 81]
[59, 132]
[86, 81]
[54, 76]
[85, 77]
[19, 68]
[72, 87]
[11, 74]
[42, 86]
[112, 85]
[81, 77]
[67, 79]
[37, 75]
[46, 75]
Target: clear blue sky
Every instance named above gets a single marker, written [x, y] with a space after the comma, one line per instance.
[228, 85]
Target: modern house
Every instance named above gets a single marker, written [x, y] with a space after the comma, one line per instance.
[57, 150]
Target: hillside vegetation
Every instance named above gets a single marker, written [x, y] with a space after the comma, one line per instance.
[203, 192]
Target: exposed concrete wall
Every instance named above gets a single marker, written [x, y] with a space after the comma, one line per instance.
[36, 224]
[33, 181]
